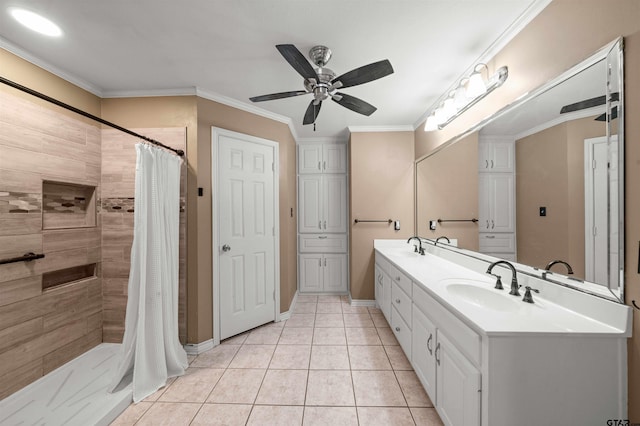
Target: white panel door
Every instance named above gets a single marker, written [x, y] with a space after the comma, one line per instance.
[596, 211]
[246, 234]
[310, 214]
[334, 158]
[335, 203]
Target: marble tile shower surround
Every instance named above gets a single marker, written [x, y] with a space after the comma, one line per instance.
[41, 330]
[117, 213]
[303, 371]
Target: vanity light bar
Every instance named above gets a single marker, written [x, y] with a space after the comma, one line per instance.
[435, 119]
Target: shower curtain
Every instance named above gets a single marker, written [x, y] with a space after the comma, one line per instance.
[150, 349]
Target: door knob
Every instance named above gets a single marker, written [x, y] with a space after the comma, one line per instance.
[226, 247]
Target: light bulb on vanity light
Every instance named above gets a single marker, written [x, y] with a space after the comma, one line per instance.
[440, 115]
[449, 108]
[431, 124]
[476, 85]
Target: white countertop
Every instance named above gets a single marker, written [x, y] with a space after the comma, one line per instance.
[512, 315]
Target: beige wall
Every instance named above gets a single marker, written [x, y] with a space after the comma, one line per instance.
[381, 174]
[447, 188]
[565, 33]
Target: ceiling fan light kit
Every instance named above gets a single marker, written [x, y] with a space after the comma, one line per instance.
[467, 93]
[322, 83]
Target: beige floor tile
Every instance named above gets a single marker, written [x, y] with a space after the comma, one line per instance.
[264, 336]
[333, 416]
[283, 387]
[306, 298]
[194, 386]
[304, 308]
[329, 336]
[412, 389]
[357, 320]
[296, 336]
[222, 414]
[368, 358]
[329, 298]
[329, 358]
[350, 309]
[237, 386]
[278, 324]
[374, 310]
[300, 320]
[330, 388]
[329, 320]
[191, 358]
[377, 389]
[291, 357]
[362, 336]
[385, 416]
[218, 357]
[387, 337]
[426, 417]
[278, 415]
[154, 397]
[253, 356]
[169, 414]
[397, 358]
[379, 320]
[235, 340]
[132, 414]
[329, 308]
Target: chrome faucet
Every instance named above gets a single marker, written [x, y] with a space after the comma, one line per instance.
[553, 262]
[514, 279]
[416, 250]
[440, 238]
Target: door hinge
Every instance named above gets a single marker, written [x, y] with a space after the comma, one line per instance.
[274, 295]
[273, 167]
[595, 231]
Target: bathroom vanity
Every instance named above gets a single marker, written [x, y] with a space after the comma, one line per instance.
[485, 357]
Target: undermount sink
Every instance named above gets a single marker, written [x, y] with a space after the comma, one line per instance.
[483, 297]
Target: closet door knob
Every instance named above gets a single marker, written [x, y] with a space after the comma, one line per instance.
[226, 247]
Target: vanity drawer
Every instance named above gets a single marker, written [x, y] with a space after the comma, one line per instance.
[401, 302]
[497, 243]
[322, 243]
[402, 332]
[401, 279]
[464, 338]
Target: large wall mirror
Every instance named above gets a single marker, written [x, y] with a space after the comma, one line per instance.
[568, 144]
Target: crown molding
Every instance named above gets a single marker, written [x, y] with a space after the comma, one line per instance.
[21, 53]
[512, 30]
[380, 129]
[177, 91]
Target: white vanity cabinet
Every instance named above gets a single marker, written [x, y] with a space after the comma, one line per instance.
[322, 158]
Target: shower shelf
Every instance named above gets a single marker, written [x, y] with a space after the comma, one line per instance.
[65, 276]
[68, 205]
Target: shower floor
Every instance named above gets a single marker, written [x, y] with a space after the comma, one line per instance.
[74, 394]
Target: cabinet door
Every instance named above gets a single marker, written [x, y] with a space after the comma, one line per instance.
[335, 273]
[502, 156]
[423, 343]
[502, 203]
[484, 154]
[334, 158]
[378, 286]
[310, 272]
[309, 159]
[309, 202]
[458, 385]
[335, 203]
[484, 202]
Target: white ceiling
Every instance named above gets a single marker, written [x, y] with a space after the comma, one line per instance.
[225, 49]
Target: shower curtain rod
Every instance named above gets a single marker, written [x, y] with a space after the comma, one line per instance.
[86, 114]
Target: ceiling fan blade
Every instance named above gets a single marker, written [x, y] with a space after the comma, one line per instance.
[587, 103]
[312, 112]
[297, 60]
[280, 95]
[364, 74]
[354, 104]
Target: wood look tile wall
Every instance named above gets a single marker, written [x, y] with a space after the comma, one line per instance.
[41, 330]
[116, 216]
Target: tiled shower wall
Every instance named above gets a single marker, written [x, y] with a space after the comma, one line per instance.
[42, 329]
[117, 211]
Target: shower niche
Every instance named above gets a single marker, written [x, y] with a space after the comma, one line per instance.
[68, 276]
[68, 205]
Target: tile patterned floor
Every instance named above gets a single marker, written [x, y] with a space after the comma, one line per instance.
[329, 364]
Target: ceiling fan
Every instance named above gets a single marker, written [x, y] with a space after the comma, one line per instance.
[322, 82]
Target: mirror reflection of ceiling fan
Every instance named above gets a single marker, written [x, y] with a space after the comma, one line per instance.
[322, 83]
[594, 102]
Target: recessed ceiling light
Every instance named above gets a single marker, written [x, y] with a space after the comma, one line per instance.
[35, 22]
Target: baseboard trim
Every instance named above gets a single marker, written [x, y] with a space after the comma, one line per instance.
[286, 315]
[362, 302]
[198, 348]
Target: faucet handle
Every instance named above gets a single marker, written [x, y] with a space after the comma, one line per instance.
[527, 294]
[498, 282]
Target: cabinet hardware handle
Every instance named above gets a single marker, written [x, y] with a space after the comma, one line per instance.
[322, 237]
[398, 278]
[398, 329]
[486, 164]
[489, 236]
[319, 166]
[325, 224]
[397, 300]
[438, 353]
[492, 164]
[320, 262]
[429, 343]
[325, 261]
[487, 223]
[324, 165]
[319, 224]
[493, 225]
